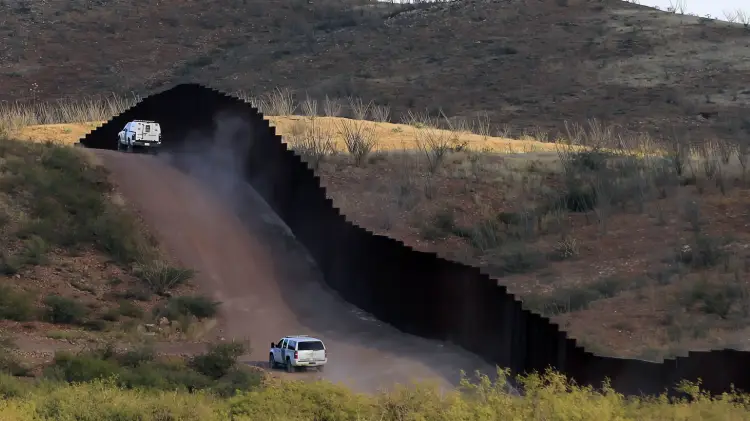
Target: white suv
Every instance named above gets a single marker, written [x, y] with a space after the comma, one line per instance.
[139, 133]
[293, 352]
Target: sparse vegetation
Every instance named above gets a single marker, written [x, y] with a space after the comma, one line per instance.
[217, 370]
[59, 215]
[16, 305]
[63, 310]
[189, 305]
[161, 277]
[359, 138]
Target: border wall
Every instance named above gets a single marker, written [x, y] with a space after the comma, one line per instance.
[418, 293]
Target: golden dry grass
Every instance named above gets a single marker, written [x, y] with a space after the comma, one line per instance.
[63, 133]
[390, 136]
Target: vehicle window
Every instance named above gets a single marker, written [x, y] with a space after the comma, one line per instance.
[290, 345]
[311, 346]
[279, 342]
[148, 128]
[282, 343]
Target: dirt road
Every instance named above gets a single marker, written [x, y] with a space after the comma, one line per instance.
[246, 258]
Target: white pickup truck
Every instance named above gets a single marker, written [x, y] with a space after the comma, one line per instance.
[293, 352]
[140, 134]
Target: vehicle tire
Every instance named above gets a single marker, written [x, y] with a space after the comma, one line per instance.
[271, 361]
[289, 366]
[320, 368]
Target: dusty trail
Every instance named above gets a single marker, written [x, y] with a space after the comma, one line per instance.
[267, 284]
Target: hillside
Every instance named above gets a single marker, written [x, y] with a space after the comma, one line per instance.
[528, 66]
[77, 269]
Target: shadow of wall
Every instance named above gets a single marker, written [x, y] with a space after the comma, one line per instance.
[416, 292]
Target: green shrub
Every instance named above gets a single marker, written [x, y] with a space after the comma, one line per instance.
[96, 325]
[237, 379]
[35, 251]
[138, 294]
[139, 368]
[81, 368]
[129, 309]
[575, 298]
[16, 305]
[63, 310]
[516, 258]
[191, 305]
[111, 315]
[10, 365]
[580, 198]
[11, 387]
[162, 376]
[218, 360]
[704, 252]
[136, 357]
[713, 298]
[10, 264]
[160, 277]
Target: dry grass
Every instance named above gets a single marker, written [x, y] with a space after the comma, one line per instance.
[68, 121]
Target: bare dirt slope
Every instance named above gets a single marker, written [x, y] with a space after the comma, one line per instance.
[267, 286]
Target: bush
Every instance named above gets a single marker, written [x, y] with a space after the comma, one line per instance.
[136, 357]
[580, 198]
[129, 309]
[139, 368]
[11, 387]
[63, 310]
[191, 305]
[138, 294]
[96, 325]
[237, 379]
[518, 258]
[16, 305]
[161, 376]
[160, 277]
[714, 298]
[9, 264]
[576, 298]
[10, 365]
[219, 359]
[81, 368]
[704, 252]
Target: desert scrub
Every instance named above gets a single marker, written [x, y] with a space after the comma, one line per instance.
[217, 370]
[56, 198]
[548, 397]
